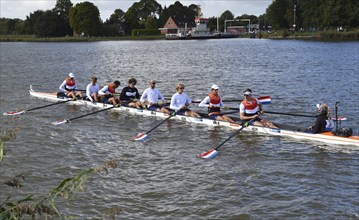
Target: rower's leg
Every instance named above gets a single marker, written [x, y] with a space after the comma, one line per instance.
[163, 110]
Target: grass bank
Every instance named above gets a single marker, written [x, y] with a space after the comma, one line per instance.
[281, 34]
[319, 35]
[32, 38]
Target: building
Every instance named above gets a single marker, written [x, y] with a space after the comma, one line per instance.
[175, 25]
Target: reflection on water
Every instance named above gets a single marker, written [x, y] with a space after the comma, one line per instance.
[254, 176]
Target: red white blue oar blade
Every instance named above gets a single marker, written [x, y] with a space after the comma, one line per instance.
[264, 100]
[12, 113]
[209, 154]
[141, 137]
[59, 122]
[340, 118]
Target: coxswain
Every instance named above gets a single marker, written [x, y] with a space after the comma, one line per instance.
[129, 95]
[251, 108]
[180, 102]
[213, 102]
[107, 93]
[92, 90]
[153, 99]
[69, 87]
[323, 121]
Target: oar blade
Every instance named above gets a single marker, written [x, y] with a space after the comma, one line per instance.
[60, 122]
[141, 137]
[340, 118]
[209, 154]
[13, 113]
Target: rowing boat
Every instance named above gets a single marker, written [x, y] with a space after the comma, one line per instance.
[326, 137]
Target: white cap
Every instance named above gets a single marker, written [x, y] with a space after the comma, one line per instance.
[71, 75]
[247, 93]
[214, 86]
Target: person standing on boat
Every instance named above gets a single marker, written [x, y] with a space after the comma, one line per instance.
[129, 94]
[251, 108]
[151, 96]
[69, 87]
[214, 103]
[92, 90]
[180, 103]
[107, 93]
[323, 121]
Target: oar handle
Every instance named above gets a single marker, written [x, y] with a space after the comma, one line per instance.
[31, 109]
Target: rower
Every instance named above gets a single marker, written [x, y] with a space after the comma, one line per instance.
[180, 103]
[69, 87]
[251, 108]
[92, 90]
[129, 94]
[214, 103]
[151, 96]
[107, 93]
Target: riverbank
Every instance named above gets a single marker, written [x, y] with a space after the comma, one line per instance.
[325, 35]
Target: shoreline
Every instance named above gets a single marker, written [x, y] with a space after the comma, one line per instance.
[325, 36]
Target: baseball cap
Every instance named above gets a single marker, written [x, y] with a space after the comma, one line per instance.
[214, 86]
[71, 75]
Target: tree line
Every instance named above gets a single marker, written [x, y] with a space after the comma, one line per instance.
[66, 19]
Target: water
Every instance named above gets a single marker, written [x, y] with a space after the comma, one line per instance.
[253, 177]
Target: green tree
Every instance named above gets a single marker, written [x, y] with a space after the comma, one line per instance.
[44, 24]
[277, 13]
[114, 25]
[8, 26]
[85, 18]
[62, 9]
[136, 15]
[150, 23]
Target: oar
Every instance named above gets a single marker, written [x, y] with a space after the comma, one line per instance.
[263, 99]
[84, 90]
[213, 152]
[31, 109]
[81, 116]
[144, 136]
[281, 113]
[340, 118]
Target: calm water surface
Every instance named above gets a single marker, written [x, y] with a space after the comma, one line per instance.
[253, 177]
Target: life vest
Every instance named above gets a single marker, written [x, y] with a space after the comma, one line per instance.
[70, 83]
[214, 100]
[111, 88]
[251, 108]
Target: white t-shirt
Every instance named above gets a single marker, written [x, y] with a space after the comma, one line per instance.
[151, 95]
[179, 100]
[91, 89]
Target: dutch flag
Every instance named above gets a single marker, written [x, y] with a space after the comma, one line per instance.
[264, 100]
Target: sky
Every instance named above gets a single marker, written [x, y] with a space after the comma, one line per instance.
[210, 8]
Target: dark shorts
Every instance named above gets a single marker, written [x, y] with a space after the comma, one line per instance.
[154, 107]
[182, 112]
[214, 117]
[252, 123]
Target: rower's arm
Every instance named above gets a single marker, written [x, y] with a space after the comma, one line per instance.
[88, 93]
[62, 86]
[204, 102]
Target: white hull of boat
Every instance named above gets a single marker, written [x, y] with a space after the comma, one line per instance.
[326, 137]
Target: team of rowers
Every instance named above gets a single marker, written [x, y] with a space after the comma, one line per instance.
[153, 100]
